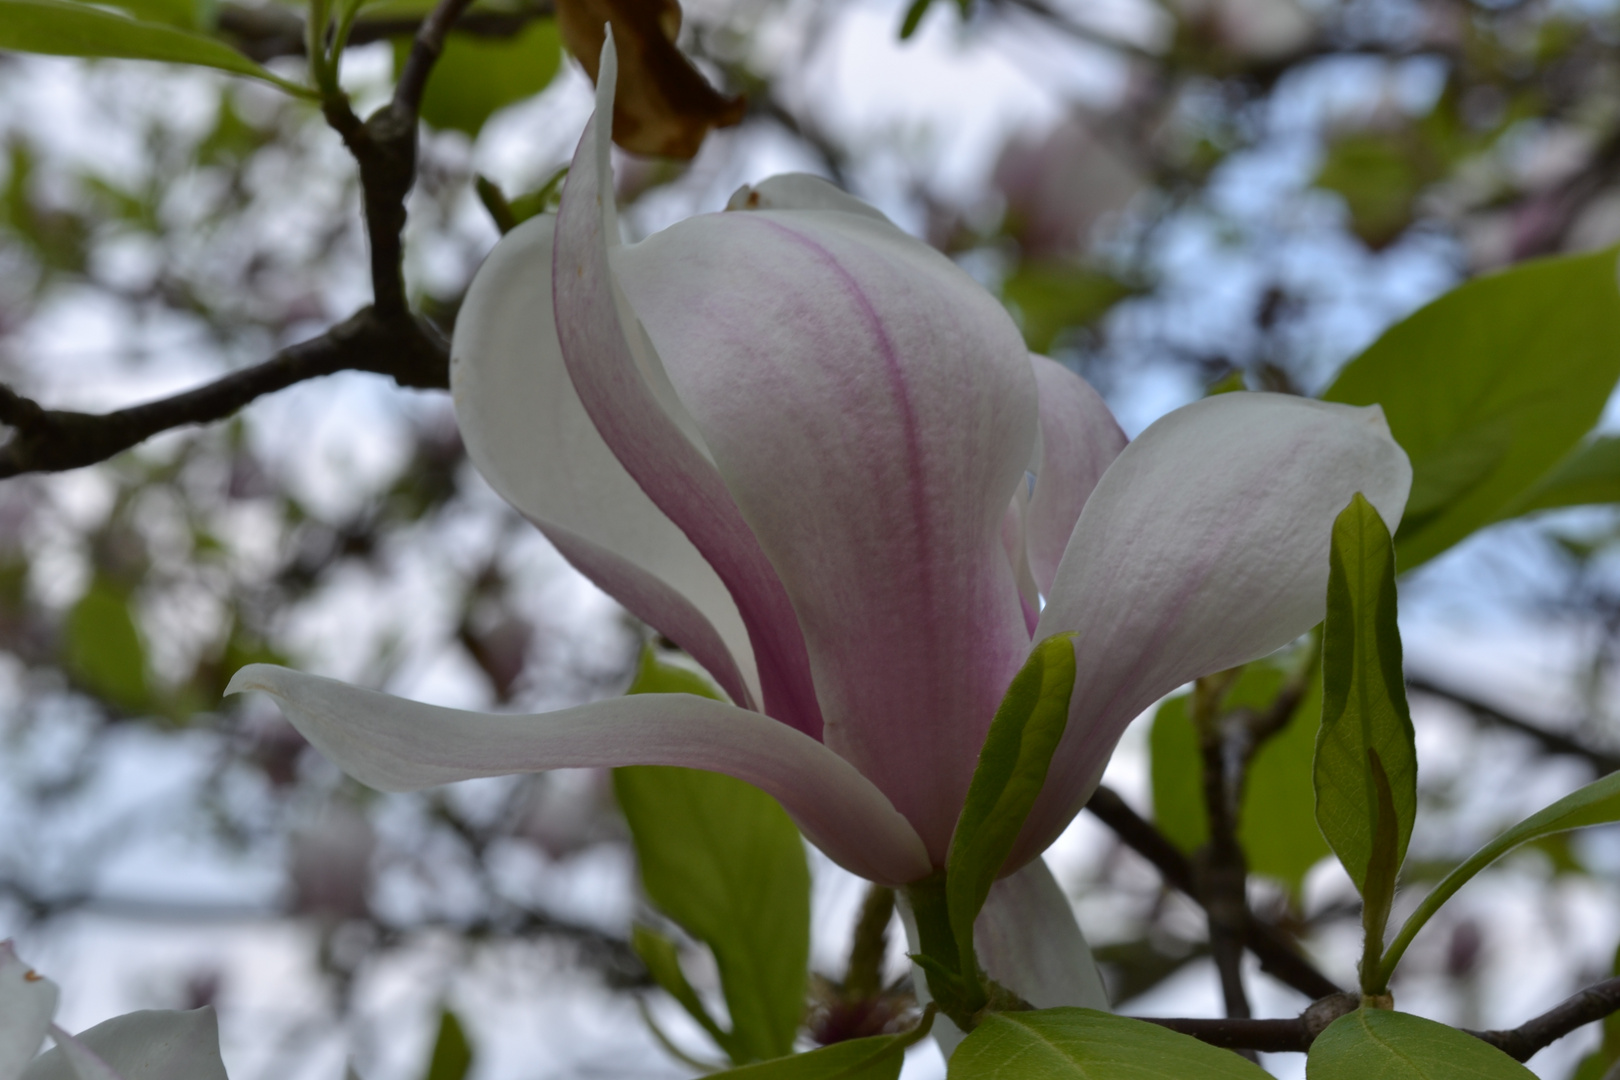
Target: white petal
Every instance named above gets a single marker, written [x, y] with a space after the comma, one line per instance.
[1027, 939]
[528, 433]
[70, 1060]
[801, 191]
[152, 1044]
[1205, 545]
[1079, 440]
[27, 1003]
[624, 389]
[398, 745]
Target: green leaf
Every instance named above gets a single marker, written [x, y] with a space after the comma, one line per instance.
[1489, 387]
[878, 1057]
[1590, 474]
[187, 14]
[1379, 176]
[1047, 298]
[1277, 823]
[64, 28]
[1384, 868]
[541, 199]
[1377, 1044]
[1364, 704]
[1082, 1044]
[1598, 803]
[475, 76]
[913, 18]
[452, 1055]
[104, 648]
[1012, 767]
[1278, 828]
[664, 965]
[653, 676]
[724, 861]
[1176, 773]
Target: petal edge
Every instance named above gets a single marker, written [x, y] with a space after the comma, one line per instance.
[398, 745]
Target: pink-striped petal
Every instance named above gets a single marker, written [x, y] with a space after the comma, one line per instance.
[398, 745]
[621, 383]
[1205, 545]
[872, 410]
[1079, 440]
[529, 435]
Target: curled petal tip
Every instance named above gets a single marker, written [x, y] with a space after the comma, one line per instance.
[252, 677]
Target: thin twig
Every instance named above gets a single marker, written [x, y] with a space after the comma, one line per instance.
[1278, 956]
[1553, 742]
[425, 50]
[1223, 870]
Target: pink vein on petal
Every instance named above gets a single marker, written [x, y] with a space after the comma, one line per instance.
[658, 455]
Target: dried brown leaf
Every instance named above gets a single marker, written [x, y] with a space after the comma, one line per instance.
[664, 106]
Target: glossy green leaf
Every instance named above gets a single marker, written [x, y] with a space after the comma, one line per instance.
[452, 1054]
[724, 861]
[878, 1057]
[1590, 474]
[65, 28]
[663, 962]
[1082, 1044]
[104, 647]
[1364, 702]
[1277, 824]
[1377, 1044]
[1012, 768]
[475, 76]
[1598, 803]
[1489, 387]
[188, 14]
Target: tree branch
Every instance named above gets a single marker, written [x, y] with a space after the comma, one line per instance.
[1278, 956]
[1593, 1003]
[1296, 1034]
[385, 337]
[50, 440]
[1293, 1035]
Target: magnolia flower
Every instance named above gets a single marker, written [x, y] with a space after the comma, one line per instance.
[814, 453]
[152, 1045]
